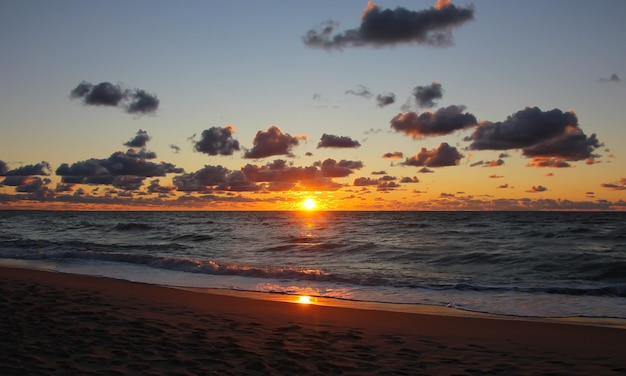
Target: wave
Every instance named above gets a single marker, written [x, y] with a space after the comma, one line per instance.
[189, 265]
[132, 226]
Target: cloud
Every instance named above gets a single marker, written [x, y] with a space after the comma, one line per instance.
[42, 169]
[616, 186]
[331, 141]
[333, 169]
[142, 103]
[3, 168]
[217, 141]
[537, 189]
[364, 181]
[425, 96]
[548, 162]
[444, 155]
[572, 145]
[494, 163]
[135, 101]
[613, 78]
[272, 142]
[361, 91]
[175, 148]
[394, 155]
[388, 27]
[409, 179]
[523, 129]
[132, 165]
[385, 99]
[202, 180]
[444, 121]
[139, 141]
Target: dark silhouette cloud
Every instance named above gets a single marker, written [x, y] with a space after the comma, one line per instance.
[572, 145]
[142, 103]
[202, 180]
[42, 169]
[364, 182]
[361, 91]
[139, 141]
[537, 189]
[131, 163]
[272, 142]
[409, 179]
[3, 168]
[175, 148]
[135, 101]
[385, 99]
[617, 186]
[332, 141]
[333, 169]
[388, 27]
[444, 155]
[217, 140]
[425, 96]
[548, 162]
[444, 121]
[523, 129]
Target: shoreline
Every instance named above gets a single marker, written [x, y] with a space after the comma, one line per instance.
[59, 322]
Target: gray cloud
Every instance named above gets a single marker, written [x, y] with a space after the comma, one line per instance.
[332, 141]
[425, 96]
[42, 169]
[333, 169]
[388, 27]
[613, 78]
[139, 141]
[444, 121]
[135, 101]
[272, 142]
[444, 155]
[385, 99]
[217, 141]
[361, 91]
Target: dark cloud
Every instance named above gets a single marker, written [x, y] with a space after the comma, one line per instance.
[523, 129]
[280, 176]
[572, 145]
[444, 155]
[128, 183]
[385, 99]
[388, 27]
[333, 169]
[394, 155]
[202, 180]
[139, 141]
[42, 169]
[135, 101]
[272, 142]
[175, 148]
[425, 170]
[3, 168]
[217, 140]
[132, 164]
[361, 91]
[425, 96]
[364, 182]
[332, 141]
[492, 163]
[142, 103]
[444, 121]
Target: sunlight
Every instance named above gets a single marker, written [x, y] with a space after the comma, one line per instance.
[304, 299]
[309, 204]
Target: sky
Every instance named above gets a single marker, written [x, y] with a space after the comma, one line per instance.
[249, 105]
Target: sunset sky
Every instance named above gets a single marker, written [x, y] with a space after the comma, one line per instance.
[258, 105]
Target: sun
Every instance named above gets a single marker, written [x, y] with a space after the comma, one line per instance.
[309, 204]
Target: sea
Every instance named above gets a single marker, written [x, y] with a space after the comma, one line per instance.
[525, 264]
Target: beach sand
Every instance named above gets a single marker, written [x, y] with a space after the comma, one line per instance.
[53, 323]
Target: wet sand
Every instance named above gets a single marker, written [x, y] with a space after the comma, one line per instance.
[53, 323]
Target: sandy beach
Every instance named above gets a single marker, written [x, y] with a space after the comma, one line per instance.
[56, 323]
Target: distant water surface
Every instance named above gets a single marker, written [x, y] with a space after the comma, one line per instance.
[542, 264]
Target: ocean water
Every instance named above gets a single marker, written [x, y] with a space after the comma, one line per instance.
[539, 264]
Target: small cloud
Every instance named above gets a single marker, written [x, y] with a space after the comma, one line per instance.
[615, 186]
[494, 176]
[442, 122]
[425, 170]
[444, 155]
[394, 155]
[386, 27]
[409, 179]
[175, 148]
[217, 141]
[361, 91]
[272, 142]
[537, 189]
[139, 141]
[142, 103]
[613, 78]
[385, 99]
[503, 186]
[135, 101]
[332, 141]
[425, 96]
